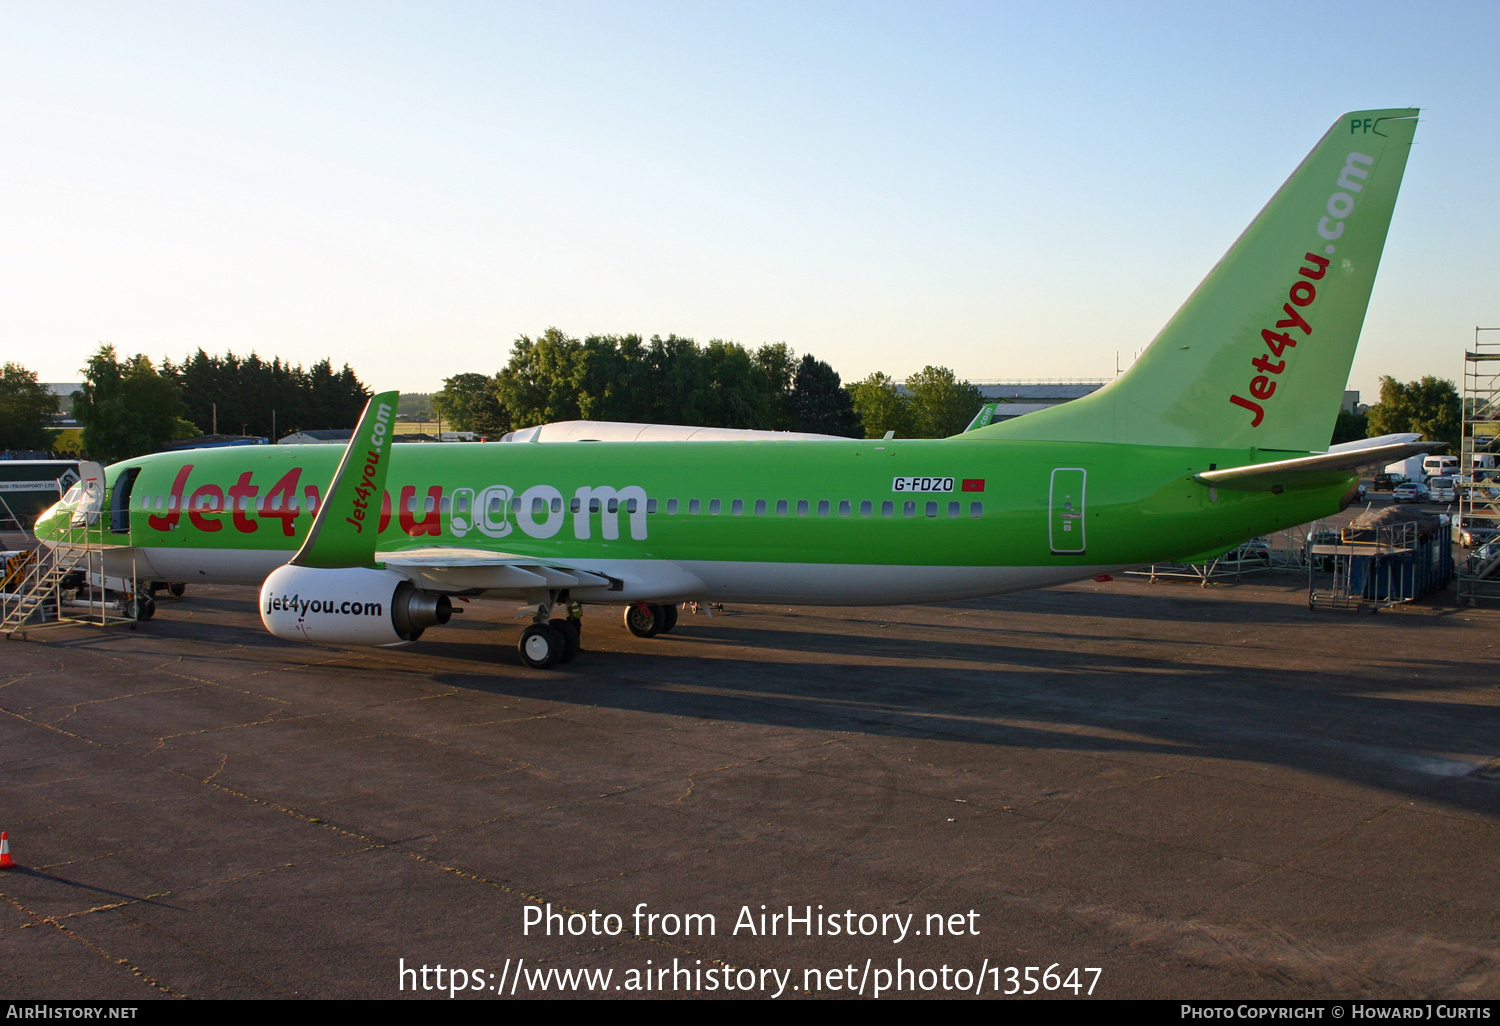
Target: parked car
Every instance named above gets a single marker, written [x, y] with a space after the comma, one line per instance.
[1472, 536]
[1485, 560]
[1410, 491]
[1254, 551]
[1324, 562]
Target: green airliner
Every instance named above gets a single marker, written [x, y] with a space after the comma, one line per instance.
[1218, 433]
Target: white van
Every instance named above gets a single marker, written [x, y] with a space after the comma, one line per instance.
[1441, 489]
[1440, 466]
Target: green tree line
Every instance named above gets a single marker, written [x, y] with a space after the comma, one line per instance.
[674, 380]
[127, 406]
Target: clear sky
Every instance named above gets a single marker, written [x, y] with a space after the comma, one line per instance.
[1013, 190]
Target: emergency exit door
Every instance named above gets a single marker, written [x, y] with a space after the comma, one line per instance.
[1065, 510]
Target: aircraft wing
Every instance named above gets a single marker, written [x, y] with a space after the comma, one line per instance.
[1318, 469]
[463, 568]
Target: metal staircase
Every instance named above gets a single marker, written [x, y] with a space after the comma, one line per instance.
[32, 584]
[1478, 479]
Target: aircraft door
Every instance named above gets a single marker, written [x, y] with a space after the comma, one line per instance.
[1065, 511]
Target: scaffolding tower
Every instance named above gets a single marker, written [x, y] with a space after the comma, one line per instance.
[1479, 470]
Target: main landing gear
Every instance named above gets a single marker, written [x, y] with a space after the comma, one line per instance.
[551, 641]
[647, 621]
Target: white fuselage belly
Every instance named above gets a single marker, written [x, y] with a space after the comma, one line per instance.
[665, 580]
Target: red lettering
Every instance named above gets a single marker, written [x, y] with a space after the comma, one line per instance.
[1252, 407]
[240, 494]
[1262, 363]
[385, 512]
[1303, 293]
[174, 504]
[1296, 320]
[1262, 387]
[1321, 264]
[207, 501]
[432, 521]
[1276, 341]
[281, 501]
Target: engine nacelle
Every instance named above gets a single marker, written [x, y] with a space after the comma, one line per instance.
[348, 606]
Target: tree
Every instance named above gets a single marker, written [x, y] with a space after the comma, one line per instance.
[1350, 427]
[1430, 406]
[818, 402]
[127, 409]
[469, 403]
[775, 365]
[259, 398]
[881, 406]
[26, 408]
[941, 405]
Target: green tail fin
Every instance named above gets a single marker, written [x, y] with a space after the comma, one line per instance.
[343, 533]
[1259, 355]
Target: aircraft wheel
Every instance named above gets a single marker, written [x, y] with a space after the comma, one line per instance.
[643, 622]
[669, 617]
[541, 646]
[176, 589]
[568, 629]
[140, 607]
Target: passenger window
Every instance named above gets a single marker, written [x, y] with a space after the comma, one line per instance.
[932, 509]
[538, 505]
[650, 505]
[887, 509]
[781, 507]
[612, 506]
[429, 504]
[713, 507]
[737, 507]
[909, 508]
[630, 505]
[556, 504]
[575, 504]
[671, 506]
[497, 505]
[802, 507]
[594, 505]
[822, 507]
[515, 505]
[694, 506]
[866, 508]
[844, 508]
[760, 507]
[463, 504]
[954, 508]
[976, 509]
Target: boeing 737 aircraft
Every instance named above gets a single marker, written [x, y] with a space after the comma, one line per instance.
[1217, 434]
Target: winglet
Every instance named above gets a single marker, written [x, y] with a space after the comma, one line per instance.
[343, 533]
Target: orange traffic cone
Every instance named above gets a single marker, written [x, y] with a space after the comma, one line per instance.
[6, 862]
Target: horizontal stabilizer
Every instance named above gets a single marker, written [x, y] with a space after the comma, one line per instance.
[1313, 471]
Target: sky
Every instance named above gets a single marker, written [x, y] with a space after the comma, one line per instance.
[1013, 191]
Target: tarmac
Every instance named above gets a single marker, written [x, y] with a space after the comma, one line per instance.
[1180, 792]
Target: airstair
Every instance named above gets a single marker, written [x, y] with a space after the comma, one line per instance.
[62, 582]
